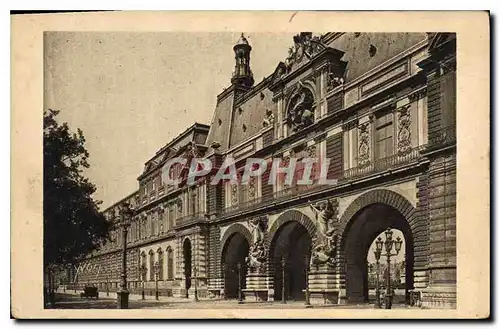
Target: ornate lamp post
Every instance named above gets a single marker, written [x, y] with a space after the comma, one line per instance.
[388, 243]
[195, 283]
[308, 301]
[240, 296]
[378, 251]
[283, 295]
[157, 271]
[143, 271]
[126, 213]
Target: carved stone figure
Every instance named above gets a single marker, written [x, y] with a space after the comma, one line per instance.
[324, 215]
[324, 253]
[324, 249]
[269, 119]
[257, 254]
[290, 59]
[256, 257]
[300, 113]
[259, 226]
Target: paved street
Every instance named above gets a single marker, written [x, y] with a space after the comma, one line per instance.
[70, 300]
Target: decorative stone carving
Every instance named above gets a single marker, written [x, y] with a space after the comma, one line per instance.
[257, 254]
[324, 250]
[404, 130]
[417, 95]
[305, 47]
[364, 145]
[215, 145]
[311, 151]
[285, 161]
[269, 119]
[251, 188]
[333, 78]
[234, 194]
[259, 227]
[300, 112]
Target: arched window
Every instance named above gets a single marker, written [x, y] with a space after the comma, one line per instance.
[151, 265]
[160, 264]
[170, 264]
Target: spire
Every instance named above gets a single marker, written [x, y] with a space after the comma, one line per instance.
[242, 74]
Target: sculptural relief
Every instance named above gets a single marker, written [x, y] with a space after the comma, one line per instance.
[404, 130]
[300, 111]
[257, 254]
[364, 145]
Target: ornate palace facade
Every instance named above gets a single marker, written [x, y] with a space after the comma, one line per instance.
[381, 106]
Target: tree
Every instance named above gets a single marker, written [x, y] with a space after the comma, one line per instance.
[73, 225]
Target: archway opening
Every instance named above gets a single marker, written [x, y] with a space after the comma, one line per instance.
[379, 271]
[358, 246]
[187, 252]
[292, 243]
[235, 252]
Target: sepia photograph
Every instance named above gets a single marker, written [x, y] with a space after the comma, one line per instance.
[296, 170]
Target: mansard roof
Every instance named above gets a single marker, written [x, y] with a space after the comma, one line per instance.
[197, 134]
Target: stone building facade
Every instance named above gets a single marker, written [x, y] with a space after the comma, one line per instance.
[380, 106]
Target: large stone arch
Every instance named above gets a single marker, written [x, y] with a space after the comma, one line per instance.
[363, 205]
[387, 197]
[235, 244]
[233, 229]
[288, 216]
[289, 239]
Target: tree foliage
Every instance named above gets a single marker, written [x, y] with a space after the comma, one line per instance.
[73, 225]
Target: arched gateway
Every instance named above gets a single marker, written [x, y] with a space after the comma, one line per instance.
[235, 245]
[290, 238]
[364, 219]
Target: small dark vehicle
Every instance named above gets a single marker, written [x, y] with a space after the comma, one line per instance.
[90, 292]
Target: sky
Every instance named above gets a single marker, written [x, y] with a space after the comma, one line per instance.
[131, 93]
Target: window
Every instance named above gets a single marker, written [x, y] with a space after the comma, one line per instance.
[151, 265]
[160, 264]
[384, 141]
[170, 264]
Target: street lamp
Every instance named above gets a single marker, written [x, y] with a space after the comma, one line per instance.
[240, 296]
[195, 283]
[388, 243]
[126, 213]
[283, 296]
[308, 301]
[157, 271]
[143, 271]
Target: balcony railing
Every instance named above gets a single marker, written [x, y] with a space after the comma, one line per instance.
[191, 218]
[393, 162]
[379, 165]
